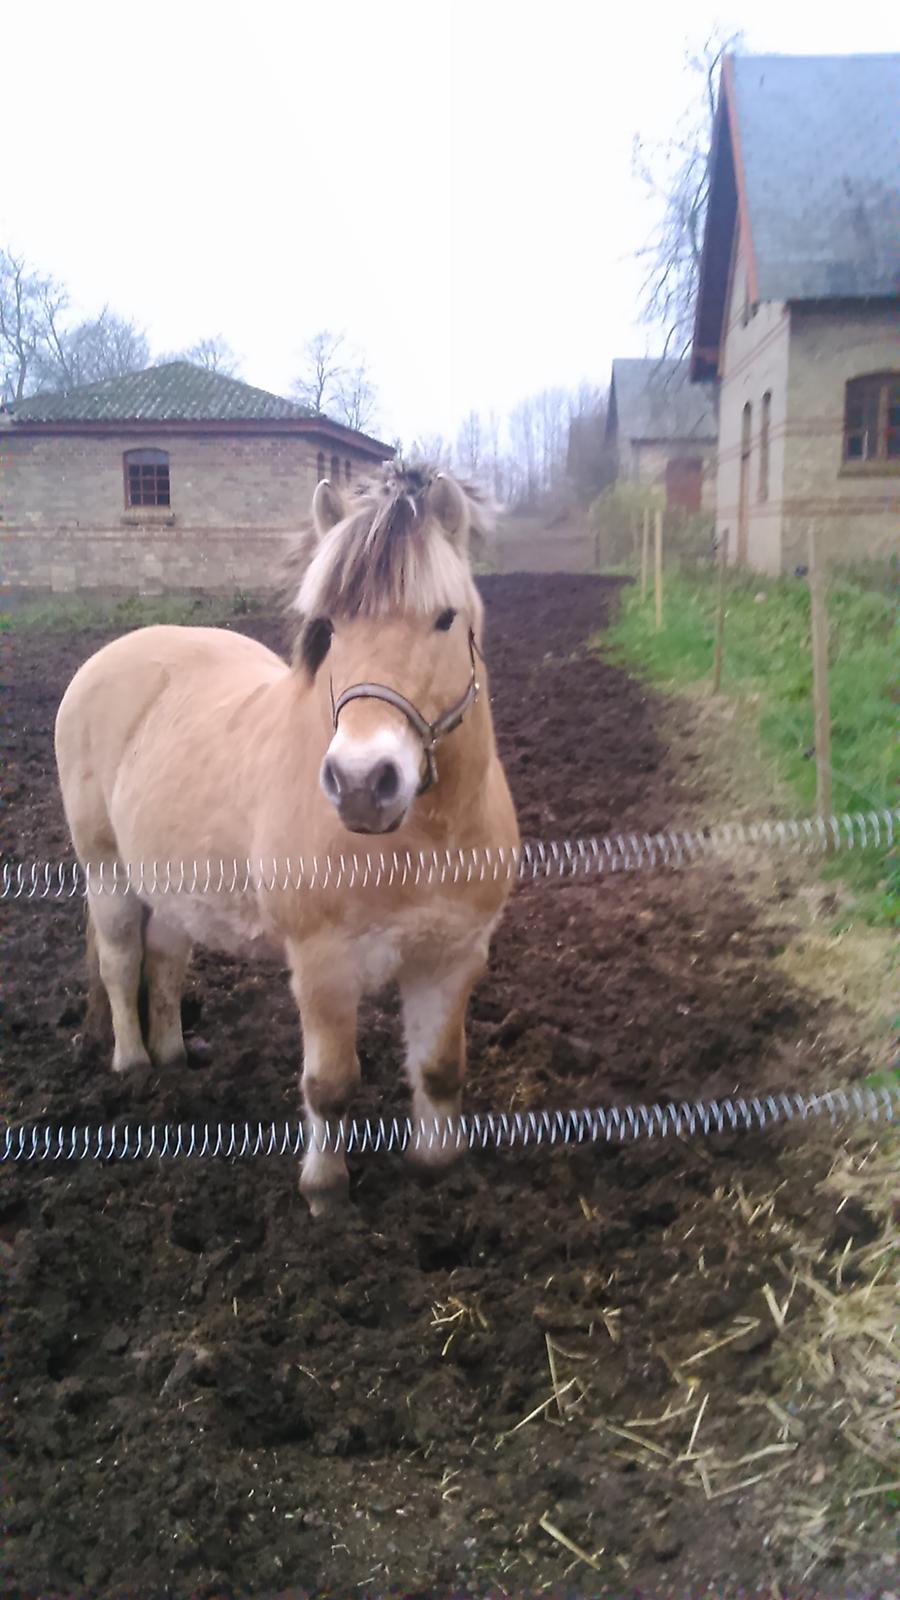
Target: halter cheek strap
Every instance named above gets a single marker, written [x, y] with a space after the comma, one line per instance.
[430, 733]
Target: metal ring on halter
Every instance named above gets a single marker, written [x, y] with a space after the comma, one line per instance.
[430, 733]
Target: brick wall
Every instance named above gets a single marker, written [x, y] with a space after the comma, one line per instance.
[803, 357]
[754, 361]
[64, 524]
[856, 511]
[643, 461]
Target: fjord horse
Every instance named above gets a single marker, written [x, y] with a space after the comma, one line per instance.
[179, 743]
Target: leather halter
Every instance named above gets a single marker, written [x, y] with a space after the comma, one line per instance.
[430, 733]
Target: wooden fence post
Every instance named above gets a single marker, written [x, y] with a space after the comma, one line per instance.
[645, 552]
[720, 611]
[657, 566]
[819, 630]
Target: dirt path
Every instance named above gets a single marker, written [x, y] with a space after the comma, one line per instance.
[209, 1394]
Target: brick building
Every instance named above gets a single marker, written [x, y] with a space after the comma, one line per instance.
[662, 431]
[798, 311]
[171, 478]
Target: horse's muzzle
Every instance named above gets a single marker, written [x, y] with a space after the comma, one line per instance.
[375, 801]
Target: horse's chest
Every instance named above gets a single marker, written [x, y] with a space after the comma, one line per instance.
[380, 952]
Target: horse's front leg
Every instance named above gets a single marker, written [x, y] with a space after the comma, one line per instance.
[435, 998]
[327, 993]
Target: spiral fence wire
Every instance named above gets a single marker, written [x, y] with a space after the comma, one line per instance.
[581, 858]
[578, 858]
[477, 1131]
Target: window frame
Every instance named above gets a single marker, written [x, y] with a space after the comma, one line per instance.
[151, 464]
[765, 430]
[859, 394]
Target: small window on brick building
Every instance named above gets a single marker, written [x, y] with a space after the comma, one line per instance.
[872, 419]
[335, 470]
[764, 426]
[147, 478]
[348, 470]
[320, 465]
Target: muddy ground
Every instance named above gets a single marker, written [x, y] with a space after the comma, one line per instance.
[207, 1393]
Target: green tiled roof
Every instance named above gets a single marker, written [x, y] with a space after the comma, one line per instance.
[176, 392]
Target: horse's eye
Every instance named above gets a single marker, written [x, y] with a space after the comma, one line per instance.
[445, 621]
[315, 643]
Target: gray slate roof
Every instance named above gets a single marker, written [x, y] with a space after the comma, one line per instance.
[176, 392]
[653, 399]
[820, 148]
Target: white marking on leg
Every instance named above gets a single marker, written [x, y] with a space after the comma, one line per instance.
[324, 986]
[434, 1020]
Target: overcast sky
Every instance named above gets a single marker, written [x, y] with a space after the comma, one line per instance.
[447, 182]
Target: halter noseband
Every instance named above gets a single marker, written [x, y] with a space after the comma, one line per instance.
[430, 733]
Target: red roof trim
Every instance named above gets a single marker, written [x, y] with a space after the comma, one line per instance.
[740, 180]
[305, 427]
[727, 186]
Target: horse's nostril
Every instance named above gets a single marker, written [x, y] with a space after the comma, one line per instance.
[331, 781]
[385, 783]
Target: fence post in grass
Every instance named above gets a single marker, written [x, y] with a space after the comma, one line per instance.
[720, 610]
[819, 632]
[645, 552]
[657, 565]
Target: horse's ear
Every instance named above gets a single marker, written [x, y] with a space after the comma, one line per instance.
[448, 503]
[327, 507]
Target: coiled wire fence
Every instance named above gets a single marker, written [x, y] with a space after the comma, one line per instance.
[580, 858]
[529, 862]
[477, 1131]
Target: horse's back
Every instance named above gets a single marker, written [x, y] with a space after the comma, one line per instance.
[140, 680]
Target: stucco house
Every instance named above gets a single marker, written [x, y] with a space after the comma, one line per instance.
[170, 478]
[799, 306]
[662, 431]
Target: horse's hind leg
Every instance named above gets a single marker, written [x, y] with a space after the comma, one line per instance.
[118, 922]
[167, 951]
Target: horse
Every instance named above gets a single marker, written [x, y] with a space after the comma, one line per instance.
[186, 743]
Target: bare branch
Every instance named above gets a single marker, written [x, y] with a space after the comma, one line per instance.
[676, 175]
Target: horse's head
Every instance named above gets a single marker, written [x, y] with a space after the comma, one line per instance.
[391, 624]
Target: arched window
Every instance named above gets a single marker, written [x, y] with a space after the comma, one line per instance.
[335, 470]
[348, 470]
[872, 419]
[743, 538]
[320, 465]
[147, 478]
[764, 425]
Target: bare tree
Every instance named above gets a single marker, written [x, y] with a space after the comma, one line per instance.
[430, 447]
[355, 398]
[214, 354]
[675, 175]
[318, 384]
[105, 346]
[27, 302]
[470, 445]
[590, 462]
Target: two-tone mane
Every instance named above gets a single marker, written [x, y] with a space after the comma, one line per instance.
[388, 553]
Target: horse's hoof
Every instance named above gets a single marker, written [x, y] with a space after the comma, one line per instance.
[170, 1060]
[325, 1201]
[431, 1162]
[133, 1063]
